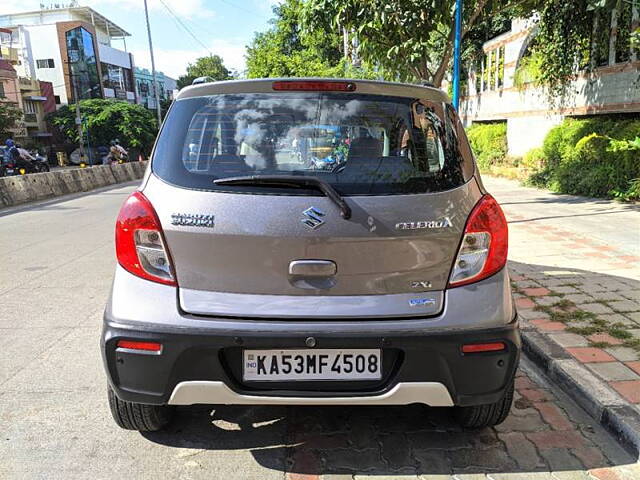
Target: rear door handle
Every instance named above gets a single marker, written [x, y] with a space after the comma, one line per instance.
[313, 268]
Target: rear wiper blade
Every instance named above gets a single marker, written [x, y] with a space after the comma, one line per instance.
[296, 181]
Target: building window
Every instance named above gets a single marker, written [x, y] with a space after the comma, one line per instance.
[45, 63]
[2, 95]
[83, 63]
[30, 107]
[56, 98]
[492, 70]
[117, 78]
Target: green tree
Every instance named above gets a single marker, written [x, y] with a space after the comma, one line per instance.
[411, 41]
[210, 66]
[9, 116]
[291, 48]
[106, 120]
[573, 35]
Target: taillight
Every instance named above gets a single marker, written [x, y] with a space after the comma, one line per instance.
[140, 245]
[484, 247]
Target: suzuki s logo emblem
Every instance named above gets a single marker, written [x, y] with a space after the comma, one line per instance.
[313, 218]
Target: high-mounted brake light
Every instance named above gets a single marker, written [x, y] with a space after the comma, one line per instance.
[135, 345]
[484, 247]
[483, 347]
[140, 245]
[314, 86]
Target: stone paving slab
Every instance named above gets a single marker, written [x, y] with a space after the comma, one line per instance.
[582, 294]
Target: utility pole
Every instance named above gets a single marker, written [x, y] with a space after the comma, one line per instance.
[456, 55]
[153, 65]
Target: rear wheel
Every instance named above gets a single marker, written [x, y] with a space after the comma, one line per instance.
[138, 416]
[481, 416]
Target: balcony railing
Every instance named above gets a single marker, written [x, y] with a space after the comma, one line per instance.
[28, 84]
[9, 53]
[30, 118]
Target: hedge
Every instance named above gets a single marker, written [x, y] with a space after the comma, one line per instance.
[489, 143]
[593, 156]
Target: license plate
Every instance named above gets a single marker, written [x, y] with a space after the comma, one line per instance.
[320, 364]
[9, 170]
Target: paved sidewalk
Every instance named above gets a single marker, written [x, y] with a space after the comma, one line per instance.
[577, 282]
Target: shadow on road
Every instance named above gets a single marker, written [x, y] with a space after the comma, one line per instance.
[366, 440]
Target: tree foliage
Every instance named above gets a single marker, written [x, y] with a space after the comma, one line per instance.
[291, 48]
[106, 120]
[211, 66]
[574, 36]
[411, 41]
[562, 44]
[9, 116]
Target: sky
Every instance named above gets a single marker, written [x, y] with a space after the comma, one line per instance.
[224, 27]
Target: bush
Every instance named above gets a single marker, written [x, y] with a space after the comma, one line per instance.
[489, 143]
[533, 159]
[593, 156]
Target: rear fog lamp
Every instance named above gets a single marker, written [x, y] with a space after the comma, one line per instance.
[151, 347]
[483, 347]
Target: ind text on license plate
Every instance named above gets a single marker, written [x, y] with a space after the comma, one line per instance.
[316, 364]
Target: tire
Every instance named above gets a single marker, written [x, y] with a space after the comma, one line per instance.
[489, 415]
[138, 416]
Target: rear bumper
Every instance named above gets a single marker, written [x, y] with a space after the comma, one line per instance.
[432, 393]
[204, 367]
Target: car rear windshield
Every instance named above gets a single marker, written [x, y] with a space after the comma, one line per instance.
[360, 144]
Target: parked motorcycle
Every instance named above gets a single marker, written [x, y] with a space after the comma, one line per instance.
[42, 163]
[39, 165]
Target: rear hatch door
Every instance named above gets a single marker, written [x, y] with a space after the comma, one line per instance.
[254, 251]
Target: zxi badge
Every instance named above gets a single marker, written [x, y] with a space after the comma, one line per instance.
[313, 218]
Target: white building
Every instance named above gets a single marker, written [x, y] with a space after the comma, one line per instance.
[492, 94]
[72, 48]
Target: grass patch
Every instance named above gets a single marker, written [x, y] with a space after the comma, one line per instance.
[564, 304]
[584, 331]
[564, 315]
[619, 325]
[633, 343]
[560, 312]
[619, 333]
[600, 323]
[603, 302]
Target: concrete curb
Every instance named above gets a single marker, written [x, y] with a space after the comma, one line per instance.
[597, 398]
[21, 189]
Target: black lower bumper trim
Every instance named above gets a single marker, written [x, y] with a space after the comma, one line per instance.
[471, 379]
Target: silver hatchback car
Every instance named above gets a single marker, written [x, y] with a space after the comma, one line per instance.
[310, 242]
